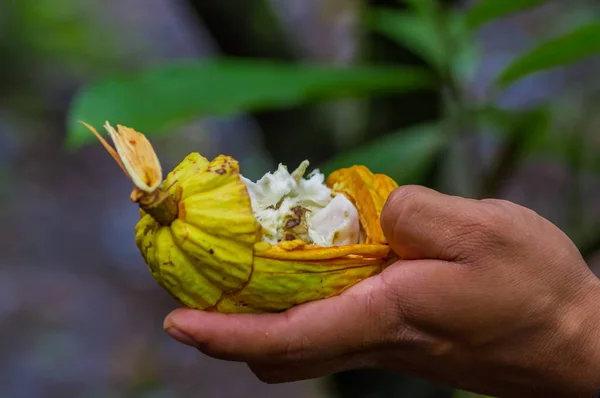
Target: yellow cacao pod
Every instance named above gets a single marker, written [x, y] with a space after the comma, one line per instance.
[203, 242]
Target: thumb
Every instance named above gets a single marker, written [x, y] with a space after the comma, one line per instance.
[313, 331]
[420, 223]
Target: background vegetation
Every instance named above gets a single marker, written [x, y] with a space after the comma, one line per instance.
[490, 98]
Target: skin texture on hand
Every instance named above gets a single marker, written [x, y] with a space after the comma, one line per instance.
[488, 297]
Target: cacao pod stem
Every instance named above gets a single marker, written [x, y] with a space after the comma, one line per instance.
[158, 203]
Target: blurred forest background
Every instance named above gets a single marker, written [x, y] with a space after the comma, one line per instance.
[491, 98]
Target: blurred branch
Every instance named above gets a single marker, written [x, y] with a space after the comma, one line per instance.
[462, 151]
[575, 153]
[394, 112]
[503, 167]
[456, 176]
[589, 238]
[522, 129]
[591, 245]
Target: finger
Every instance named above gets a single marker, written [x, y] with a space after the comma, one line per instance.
[442, 298]
[429, 289]
[314, 331]
[421, 223]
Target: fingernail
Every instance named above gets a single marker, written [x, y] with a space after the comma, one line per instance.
[180, 336]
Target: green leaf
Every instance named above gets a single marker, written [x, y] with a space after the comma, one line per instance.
[581, 43]
[537, 134]
[415, 32]
[404, 155]
[441, 38]
[164, 97]
[488, 10]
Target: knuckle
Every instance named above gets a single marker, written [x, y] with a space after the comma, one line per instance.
[519, 215]
[490, 222]
[411, 339]
[465, 236]
[398, 310]
[506, 209]
[492, 227]
[382, 307]
[500, 220]
[377, 305]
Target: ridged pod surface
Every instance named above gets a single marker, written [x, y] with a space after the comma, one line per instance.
[209, 254]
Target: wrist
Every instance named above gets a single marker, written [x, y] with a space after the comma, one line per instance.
[594, 338]
[582, 324]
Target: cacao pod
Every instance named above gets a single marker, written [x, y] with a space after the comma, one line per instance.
[219, 242]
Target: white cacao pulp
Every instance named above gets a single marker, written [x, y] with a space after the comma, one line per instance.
[289, 206]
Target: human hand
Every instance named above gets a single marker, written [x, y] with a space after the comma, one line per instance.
[488, 297]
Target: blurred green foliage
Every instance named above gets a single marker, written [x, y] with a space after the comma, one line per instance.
[164, 97]
[161, 98]
[489, 10]
[574, 46]
[167, 96]
[442, 39]
[404, 106]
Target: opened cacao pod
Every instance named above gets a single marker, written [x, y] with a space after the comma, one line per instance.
[219, 242]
